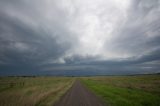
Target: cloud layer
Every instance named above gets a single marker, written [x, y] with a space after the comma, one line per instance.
[79, 37]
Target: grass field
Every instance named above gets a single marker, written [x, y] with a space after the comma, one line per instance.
[142, 90]
[32, 91]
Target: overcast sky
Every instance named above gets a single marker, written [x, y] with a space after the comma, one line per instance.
[79, 37]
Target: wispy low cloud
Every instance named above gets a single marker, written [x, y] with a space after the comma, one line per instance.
[79, 37]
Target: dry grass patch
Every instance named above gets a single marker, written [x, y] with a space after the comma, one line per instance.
[26, 91]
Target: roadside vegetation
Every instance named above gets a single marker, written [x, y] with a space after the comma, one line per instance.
[141, 90]
[32, 91]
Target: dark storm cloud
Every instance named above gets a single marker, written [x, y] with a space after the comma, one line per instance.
[23, 44]
[70, 38]
[23, 49]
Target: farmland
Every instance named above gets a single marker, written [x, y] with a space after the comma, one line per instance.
[126, 90]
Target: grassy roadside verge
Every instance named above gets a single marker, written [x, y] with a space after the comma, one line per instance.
[126, 91]
[32, 91]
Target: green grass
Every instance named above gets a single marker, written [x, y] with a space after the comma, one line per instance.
[126, 90]
[114, 90]
[32, 91]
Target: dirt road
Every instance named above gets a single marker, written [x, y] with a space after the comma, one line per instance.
[79, 95]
